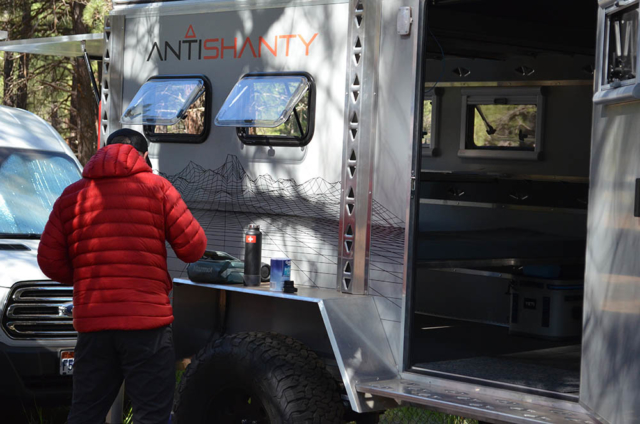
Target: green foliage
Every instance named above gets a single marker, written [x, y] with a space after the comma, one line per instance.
[403, 415]
[36, 414]
[412, 415]
[127, 418]
[272, 97]
[427, 121]
[47, 85]
[514, 126]
[193, 122]
[179, 374]
[94, 14]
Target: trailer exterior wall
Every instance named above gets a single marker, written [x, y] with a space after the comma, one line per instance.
[389, 184]
[216, 177]
[229, 41]
[253, 41]
[609, 383]
[398, 94]
[610, 364]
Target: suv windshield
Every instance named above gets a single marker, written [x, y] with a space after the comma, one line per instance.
[30, 182]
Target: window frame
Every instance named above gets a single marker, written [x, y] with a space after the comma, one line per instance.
[435, 95]
[283, 141]
[604, 85]
[184, 138]
[488, 96]
[625, 91]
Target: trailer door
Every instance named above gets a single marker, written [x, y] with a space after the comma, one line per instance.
[610, 376]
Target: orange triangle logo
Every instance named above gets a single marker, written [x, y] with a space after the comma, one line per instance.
[190, 32]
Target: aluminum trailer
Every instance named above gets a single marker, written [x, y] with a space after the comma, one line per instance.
[443, 168]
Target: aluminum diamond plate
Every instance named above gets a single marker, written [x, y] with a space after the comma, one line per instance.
[480, 404]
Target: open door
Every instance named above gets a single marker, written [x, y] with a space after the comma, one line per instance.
[610, 383]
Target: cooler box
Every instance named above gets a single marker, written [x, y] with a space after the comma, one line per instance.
[550, 309]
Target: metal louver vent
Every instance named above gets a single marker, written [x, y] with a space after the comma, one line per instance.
[39, 310]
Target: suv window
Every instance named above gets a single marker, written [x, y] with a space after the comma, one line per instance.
[30, 183]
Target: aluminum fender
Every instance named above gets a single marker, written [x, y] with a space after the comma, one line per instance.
[343, 326]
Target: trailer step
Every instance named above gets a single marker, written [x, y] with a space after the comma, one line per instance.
[481, 403]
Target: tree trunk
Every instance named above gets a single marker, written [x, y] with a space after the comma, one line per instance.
[8, 98]
[86, 110]
[22, 93]
[73, 112]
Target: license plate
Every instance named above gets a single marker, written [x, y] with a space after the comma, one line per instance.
[66, 362]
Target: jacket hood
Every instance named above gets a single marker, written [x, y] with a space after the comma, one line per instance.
[115, 160]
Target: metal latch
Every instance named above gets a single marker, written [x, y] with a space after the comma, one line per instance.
[404, 21]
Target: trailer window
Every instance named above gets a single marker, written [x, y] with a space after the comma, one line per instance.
[172, 109]
[274, 109]
[622, 46]
[502, 124]
[504, 127]
[426, 123]
[430, 119]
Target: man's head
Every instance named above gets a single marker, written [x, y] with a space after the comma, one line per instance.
[133, 138]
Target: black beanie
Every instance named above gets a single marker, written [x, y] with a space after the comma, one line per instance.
[135, 139]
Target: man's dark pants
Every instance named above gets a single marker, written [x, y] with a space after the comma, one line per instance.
[145, 359]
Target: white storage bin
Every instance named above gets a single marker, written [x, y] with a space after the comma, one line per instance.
[550, 309]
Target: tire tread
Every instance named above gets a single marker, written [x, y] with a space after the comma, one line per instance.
[305, 391]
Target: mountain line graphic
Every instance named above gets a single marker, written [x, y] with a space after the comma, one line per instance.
[230, 188]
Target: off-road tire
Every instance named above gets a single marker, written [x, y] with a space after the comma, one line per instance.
[290, 380]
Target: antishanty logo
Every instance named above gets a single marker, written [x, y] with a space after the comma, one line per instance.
[194, 48]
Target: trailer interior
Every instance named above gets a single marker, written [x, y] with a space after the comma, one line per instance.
[497, 291]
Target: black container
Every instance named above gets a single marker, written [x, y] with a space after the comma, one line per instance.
[252, 255]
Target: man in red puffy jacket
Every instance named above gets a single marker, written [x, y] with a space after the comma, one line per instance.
[106, 237]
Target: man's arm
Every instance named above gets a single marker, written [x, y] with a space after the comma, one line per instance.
[53, 252]
[183, 232]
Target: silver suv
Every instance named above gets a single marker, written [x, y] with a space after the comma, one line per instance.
[37, 337]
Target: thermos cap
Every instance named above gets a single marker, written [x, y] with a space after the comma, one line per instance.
[254, 226]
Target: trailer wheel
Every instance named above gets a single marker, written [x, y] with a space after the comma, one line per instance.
[257, 378]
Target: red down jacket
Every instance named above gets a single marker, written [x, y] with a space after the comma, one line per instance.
[106, 236]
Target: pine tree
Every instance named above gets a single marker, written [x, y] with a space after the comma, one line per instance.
[56, 88]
